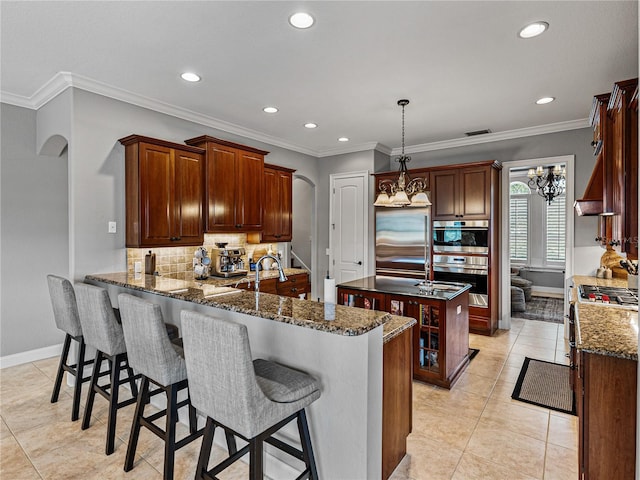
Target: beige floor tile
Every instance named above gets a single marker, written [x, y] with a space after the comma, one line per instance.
[517, 452]
[561, 357]
[534, 352]
[38, 411]
[455, 401]
[560, 463]
[21, 383]
[443, 426]
[518, 419]
[472, 383]
[540, 329]
[14, 464]
[510, 374]
[49, 366]
[426, 460]
[563, 431]
[472, 467]
[515, 360]
[535, 341]
[485, 367]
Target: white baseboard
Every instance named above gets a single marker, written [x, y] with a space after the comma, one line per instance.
[539, 290]
[30, 356]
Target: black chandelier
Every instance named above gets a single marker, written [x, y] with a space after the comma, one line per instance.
[551, 185]
[403, 192]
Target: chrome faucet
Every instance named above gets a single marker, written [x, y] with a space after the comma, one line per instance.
[283, 277]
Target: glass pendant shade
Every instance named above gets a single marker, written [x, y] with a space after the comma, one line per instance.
[383, 200]
[400, 198]
[420, 199]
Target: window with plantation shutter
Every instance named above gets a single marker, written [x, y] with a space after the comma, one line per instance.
[555, 231]
[519, 222]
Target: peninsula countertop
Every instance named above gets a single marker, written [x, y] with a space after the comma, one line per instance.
[605, 329]
[219, 293]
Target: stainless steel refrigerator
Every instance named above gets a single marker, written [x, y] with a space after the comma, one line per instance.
[403, 241]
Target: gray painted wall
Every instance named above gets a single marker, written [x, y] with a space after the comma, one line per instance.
[303, 215]
[41, 232]
[572, 142]
[346, 163]
[34, 233]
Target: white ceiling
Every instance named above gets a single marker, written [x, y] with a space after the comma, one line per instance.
[460, 64]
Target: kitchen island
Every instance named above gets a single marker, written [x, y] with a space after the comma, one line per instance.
[341, 346]
[604, 362]
[441, 334]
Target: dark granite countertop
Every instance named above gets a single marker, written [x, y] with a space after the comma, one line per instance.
[605, 329]
[331, 318]
[407, 286]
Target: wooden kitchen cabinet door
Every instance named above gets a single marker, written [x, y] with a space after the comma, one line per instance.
[278, 204]
[249, 188]
[462, 193]
[163, 187]
[233, 185]
[220, 187]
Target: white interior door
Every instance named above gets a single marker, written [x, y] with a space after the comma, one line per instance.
[349, 226]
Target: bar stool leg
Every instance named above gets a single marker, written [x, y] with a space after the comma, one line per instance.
[205, 449]
[255, 459]
[132, 381]
[77, 389]
[307, 449]
[97, 364]
[170, 431]
[193, 418]
[135, 426]
[113, 403]
[63, 361]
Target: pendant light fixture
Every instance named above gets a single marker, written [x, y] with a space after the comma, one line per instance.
[403, 192]
[551, 185]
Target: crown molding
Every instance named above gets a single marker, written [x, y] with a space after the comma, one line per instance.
[63, 80]
[497, 136]
[363, 147]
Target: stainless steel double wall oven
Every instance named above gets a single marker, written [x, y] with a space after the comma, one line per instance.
[461, 254]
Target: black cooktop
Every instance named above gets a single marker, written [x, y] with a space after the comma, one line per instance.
[626, 297]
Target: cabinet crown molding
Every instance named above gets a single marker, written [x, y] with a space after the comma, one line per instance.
[208, 139]
[156, 141]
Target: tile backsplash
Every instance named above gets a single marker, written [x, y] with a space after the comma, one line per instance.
[180, 259]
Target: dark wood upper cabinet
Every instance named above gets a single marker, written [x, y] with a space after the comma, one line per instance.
[622, 164]
[462, 193]
[164, 191]
[278, 204]
[612, 190]
[233, 185]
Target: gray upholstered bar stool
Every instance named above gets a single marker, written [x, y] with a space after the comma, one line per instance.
[65, 313]
[253, 399]
[160, 362]
[103, 332]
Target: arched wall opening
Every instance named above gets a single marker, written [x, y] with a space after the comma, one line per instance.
[303, 243]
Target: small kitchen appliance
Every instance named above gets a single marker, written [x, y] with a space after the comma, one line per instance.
[228, 262]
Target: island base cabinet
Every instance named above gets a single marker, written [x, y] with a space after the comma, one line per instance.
[440, 338]
[397, 403]
[606, 417]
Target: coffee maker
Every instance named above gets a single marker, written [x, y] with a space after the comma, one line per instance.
[227, 261]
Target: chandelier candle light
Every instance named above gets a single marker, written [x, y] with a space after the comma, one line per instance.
[403, 192]
[550, 185]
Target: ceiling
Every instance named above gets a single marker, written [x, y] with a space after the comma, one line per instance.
[461, 64]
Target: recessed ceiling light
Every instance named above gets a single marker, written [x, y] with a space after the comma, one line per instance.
[343, 139]
[190, 77]
[310, 125]
[301, 20]
[545, 100]
[533, 29]
[270, 109]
